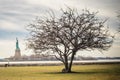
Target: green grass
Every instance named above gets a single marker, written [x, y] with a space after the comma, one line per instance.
[82, 72]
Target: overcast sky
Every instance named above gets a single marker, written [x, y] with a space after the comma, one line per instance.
[15, 15]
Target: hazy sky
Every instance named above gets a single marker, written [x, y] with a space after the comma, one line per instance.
[15, 15]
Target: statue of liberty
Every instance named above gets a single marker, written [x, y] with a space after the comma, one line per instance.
[17, 44]
[17, 55]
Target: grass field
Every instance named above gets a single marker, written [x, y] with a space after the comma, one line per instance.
[82, 72]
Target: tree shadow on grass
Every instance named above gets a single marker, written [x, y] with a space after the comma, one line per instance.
[89, 72]
[94, 71]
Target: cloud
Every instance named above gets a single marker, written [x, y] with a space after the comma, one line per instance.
[113, 51]
[17, 16]
[53, 4]
[7, 48]
[7, 25]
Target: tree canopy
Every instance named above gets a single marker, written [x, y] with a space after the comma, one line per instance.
[65, 35]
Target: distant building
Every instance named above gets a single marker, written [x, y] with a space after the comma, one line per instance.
[17, 55]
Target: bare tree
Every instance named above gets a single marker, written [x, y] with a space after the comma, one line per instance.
[66, 35]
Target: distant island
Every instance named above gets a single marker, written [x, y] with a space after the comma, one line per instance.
[39, 57]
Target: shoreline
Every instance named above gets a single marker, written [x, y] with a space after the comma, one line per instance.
[56, 63]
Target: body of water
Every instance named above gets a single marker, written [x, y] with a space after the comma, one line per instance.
[57, 62]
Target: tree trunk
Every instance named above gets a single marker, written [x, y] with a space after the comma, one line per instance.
[71, 61]
[66, 62]
[65, 70]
